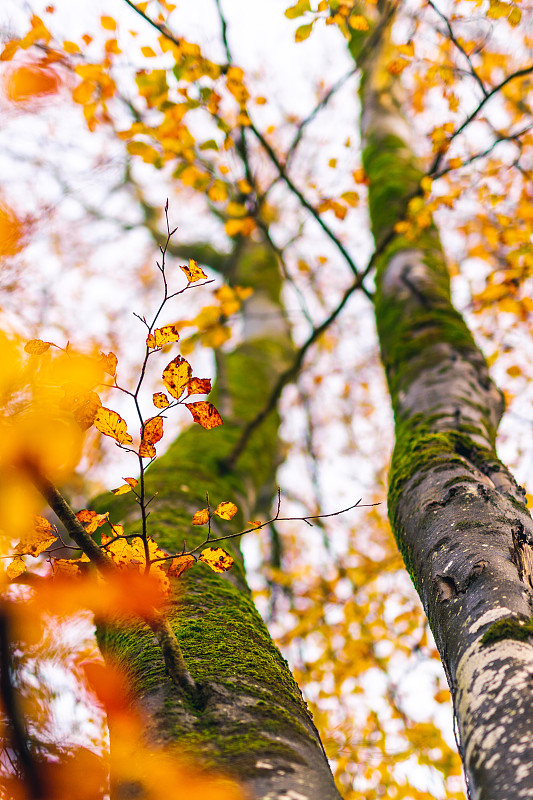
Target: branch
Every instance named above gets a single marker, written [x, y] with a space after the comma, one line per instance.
[459, 46]
[15, 719]
[157, 25]
[157, 622]
[518, 74]
[305, 203]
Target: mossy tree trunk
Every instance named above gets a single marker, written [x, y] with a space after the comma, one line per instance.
[458, 515]
[251, 721]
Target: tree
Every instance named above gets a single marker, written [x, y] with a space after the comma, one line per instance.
[220, 691]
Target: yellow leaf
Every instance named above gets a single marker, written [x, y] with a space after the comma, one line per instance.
[124, 489]
[160, 400]
[16, 568]
[71, 47]
[407, 49]
[108, 23]
[515, 15]
[36, 347]
[226, 510]
[148, 52]
[193, 272]
[217, 559]
[255, 523]
[111, 424]
[180, 564]
[298, 9]
[205, 414]
[201, 517]
[176, 376]
[352, 198]
[36, 542]
[244, 227]
[164, 335]
[358, 22]
[303, 32]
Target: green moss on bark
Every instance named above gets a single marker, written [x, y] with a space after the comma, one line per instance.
[511, 628]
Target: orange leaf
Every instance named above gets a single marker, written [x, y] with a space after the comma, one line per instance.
[160, 400]
[176, 376]
[151, 432]
[201, 517]
[217, 559]
[108, 23]
[132, 482]
[199, 386]
[36, 347]
[205, 414]
[180, 565]
[109, 363]
[26, 82]
[91, 519]
[111, 424]
[226, 510]
[65, 568]
[255, 523]
[164, 335]
[193, 271]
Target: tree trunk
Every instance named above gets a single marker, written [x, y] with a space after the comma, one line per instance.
[459, 517]
[251, 721]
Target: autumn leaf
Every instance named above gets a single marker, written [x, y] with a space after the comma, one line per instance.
[205, 414]
[180, 564]
[65, 568]
[36, 542]
[131, 554]
[111, 424]
[199, 386]
[193, 271]
[109, 363]
[85, 406]
[303, 32]
[130, 484]
[176, 376]
[226, 510]
[36, 347]
[91, 520]
[16, 568]
[30, 81]
[160, 400]
[164, 335]
[255, 523]
[151, 432]
[201, 517]
[217, 559]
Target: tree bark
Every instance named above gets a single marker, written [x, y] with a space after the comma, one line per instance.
[459, 517]
[249, 720]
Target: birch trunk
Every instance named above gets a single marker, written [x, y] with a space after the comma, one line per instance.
[459, 517]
